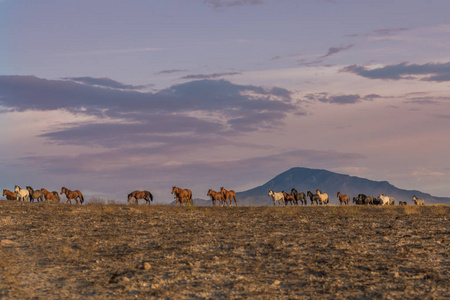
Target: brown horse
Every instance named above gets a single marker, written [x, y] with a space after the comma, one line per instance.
[228, 195]
[9, 195]
[182, 195]
[72, 195]
[146, 195]
[288, 198]
[50, 195]
[215, 196]
[343, 199]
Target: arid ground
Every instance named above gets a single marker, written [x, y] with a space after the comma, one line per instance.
[54, 251]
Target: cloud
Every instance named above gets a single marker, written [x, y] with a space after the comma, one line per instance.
[170, 71]
[206, 108]
[108, 52]
[104, 82]
[218, 4]
[335, 50]
[381, 32]
[210, 76]
[439, 72]
[341, 99]
[331, 51]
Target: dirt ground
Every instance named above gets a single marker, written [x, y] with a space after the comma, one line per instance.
[55, 251]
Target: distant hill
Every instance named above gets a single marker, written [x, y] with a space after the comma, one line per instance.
[304, 179]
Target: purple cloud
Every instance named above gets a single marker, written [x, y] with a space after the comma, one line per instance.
[105, 83]
[381, 32]
[210, 76]
[331, 51]
[341, 99]
[138, 118]
[170, 71]
[439, 72]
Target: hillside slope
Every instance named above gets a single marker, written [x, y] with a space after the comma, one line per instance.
[304, 179]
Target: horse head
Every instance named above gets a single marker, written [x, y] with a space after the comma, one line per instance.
[174, 189]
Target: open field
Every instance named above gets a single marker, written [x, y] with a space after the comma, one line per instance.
[55, 251]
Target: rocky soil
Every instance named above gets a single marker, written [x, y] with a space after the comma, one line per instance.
[55, 251]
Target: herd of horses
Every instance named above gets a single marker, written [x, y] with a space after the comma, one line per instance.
[184, 196]
[29, 194]
[319, 198]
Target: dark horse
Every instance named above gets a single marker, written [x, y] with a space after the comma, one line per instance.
[146, 195]
[299, 197]
[366, 199]
[313, 198]
[38, 195]
[72, 195]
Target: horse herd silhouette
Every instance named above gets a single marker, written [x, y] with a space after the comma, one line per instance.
[30, 194]
[184, 196]
[319, 198]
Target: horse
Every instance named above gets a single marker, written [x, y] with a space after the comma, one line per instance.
[228, 195]
[288, 198]
[215, 196]
[323, 197]
[358, 201]
[38, 195]
[418, 201]
[146, 195]
[313, 197]
[50, 195]
[366, 199]
[299, 196]
[277, 197]
[22, 194]
[72, 195]
[343, 199]
[385, 200]
[402, 203]
[10, 195]
[182, 195]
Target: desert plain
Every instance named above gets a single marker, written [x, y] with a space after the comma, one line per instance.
[112, 251]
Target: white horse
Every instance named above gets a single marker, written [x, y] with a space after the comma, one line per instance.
[385, 200]
[418, 201]
[22, 194]
[323, 197]
[276, 197]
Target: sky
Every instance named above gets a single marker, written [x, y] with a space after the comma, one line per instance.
[112, 96]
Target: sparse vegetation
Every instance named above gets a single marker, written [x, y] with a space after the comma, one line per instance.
[105, 251]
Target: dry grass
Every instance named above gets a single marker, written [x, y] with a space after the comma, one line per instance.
[105, 251]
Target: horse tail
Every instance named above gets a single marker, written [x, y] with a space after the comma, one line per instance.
[81, 198]
[150, 195]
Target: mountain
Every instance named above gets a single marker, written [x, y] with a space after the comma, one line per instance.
[304, 179]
